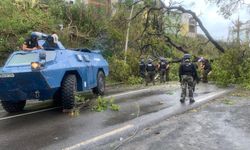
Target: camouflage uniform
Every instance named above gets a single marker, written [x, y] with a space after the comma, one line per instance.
[187, 82]
[187, 75]
[163, 69]
[206, 68]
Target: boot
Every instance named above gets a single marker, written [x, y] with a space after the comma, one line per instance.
[192, 100]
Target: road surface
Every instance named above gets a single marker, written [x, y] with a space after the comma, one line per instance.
[43, 127]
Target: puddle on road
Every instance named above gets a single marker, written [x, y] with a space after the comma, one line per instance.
[145, 109]
[143, 95]
[206, 92]
[132, 111]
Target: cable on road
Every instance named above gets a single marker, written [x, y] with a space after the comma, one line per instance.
[135, 132]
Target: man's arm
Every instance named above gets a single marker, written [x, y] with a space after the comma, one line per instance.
[195, 75]
[25, 47]
[39, 47]
[167, 66]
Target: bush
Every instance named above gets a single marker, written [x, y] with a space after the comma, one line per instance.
[133, 80]
[119, 70]
[233, 67]
[174, 71]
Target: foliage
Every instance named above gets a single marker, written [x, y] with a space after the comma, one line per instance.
[114, 107]
[18, 19]
[95, 28]
[79, 98]
[133, 80]
[119, 70]
[233, 67]
[228, 7]
[173, 72]
[104, 103]
[228, 102]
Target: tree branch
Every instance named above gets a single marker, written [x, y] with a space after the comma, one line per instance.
[180, 48]
[183, 10]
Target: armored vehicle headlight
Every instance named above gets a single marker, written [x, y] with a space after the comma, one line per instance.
[35, 65]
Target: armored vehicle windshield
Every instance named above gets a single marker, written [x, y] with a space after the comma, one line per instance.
[25, 58]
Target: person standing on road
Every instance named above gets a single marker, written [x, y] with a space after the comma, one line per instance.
[163, 68]
[187, 75]
[142, 68]
[205, 69]
[197, 80]
[150, 68]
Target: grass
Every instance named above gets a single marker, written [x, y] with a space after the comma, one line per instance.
[228, 102]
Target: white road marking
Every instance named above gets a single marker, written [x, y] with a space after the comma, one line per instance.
[99, 137]
[29, 113]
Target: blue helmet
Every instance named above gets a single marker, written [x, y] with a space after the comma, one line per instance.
[33, 36]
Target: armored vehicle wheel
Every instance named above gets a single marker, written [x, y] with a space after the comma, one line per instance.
[57, 98]
[68, 90]
[100, 89]
[13, 107]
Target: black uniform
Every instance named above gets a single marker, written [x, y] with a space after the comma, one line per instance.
[197, 79]
[163, 70]
[142, 69]
[31, 43]
[150, 68]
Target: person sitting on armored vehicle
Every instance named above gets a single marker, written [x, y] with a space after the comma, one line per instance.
[51, 42]
[31, 43]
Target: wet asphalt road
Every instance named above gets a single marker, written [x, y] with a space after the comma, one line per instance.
[54, 130]
[223, 124]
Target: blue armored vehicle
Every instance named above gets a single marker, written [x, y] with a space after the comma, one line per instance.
[51, 73]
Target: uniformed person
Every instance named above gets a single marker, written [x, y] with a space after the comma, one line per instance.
[150, 68]
[187, 75]
[163, 68]
[142, 68]
[197, 80]
[205, 69]
[31, 43]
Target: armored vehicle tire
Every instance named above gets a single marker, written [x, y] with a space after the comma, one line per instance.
[13, 107]
[68, 90]
[100, 88]
[57, 98]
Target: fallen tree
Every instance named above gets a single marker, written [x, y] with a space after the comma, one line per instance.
[164, 10]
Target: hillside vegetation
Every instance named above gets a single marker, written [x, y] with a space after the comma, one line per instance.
[97, 29]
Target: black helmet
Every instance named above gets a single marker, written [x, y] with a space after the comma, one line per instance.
[187, 56]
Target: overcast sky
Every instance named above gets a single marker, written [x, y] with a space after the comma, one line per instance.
[215, 23]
